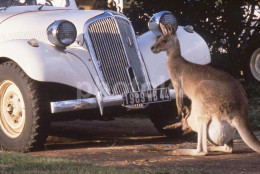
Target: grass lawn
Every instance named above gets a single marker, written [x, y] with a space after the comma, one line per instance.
[12, 163]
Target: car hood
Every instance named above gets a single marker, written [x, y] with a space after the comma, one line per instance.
[34, 24]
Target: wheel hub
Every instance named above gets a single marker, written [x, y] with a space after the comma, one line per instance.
[12, 116]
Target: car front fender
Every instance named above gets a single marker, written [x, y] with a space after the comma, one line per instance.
[46, 63]
[193, 49]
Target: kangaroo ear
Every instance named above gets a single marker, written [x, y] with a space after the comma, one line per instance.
[164, 29]
[170, 29]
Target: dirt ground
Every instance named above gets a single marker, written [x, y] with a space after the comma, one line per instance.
[132, 143]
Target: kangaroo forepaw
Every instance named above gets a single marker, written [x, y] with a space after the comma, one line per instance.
[173, 126]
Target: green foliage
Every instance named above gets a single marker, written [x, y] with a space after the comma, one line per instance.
[229, 27]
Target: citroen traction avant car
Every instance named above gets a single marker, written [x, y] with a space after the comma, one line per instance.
[57, 59]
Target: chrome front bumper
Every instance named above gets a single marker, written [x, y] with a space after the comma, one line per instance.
[91, 103]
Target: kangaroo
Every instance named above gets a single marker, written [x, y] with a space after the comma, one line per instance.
[219, 102]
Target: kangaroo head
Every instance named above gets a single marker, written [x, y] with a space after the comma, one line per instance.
[166, 41]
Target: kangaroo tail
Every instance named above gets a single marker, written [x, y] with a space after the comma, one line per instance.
[246, 134]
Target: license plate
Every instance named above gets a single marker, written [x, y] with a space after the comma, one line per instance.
[150, 96]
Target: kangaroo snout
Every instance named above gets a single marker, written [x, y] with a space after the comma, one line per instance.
[154, 49]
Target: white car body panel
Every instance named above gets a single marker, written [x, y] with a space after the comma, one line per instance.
[193, 49]
[12, 23]
[46, 63]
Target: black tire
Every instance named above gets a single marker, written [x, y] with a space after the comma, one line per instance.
[35, 116]
[163, 114]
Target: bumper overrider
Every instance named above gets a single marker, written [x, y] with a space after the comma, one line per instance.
[91, 103]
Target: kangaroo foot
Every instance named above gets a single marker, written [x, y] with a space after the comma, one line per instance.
[186, 152]
[224, 148]
[227, 148]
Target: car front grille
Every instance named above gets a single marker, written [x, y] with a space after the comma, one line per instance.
[115, 55]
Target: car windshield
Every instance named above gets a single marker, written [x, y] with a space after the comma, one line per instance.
[55, 3]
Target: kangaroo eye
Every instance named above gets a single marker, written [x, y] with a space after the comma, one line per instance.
[164, 40]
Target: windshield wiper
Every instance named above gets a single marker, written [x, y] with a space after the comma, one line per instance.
[9, 5]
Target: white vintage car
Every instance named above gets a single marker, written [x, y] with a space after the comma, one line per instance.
[56, 58]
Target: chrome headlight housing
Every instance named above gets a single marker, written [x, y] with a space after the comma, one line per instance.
[62, 33]
[163, 17]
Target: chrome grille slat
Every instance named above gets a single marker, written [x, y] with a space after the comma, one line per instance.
[109, 72]
[131, 51]
[97, 45]
[116, 63]
[113, 62]
[112, 54]
[101, 51]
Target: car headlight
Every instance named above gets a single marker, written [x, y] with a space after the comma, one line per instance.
[62, 33]
[163, 17]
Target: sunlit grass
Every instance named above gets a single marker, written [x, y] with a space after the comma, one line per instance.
[12, 163]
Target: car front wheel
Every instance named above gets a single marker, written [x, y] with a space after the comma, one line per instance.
[24, 110]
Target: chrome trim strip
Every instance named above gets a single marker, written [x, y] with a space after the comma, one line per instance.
[90, 103]
[128, 75]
